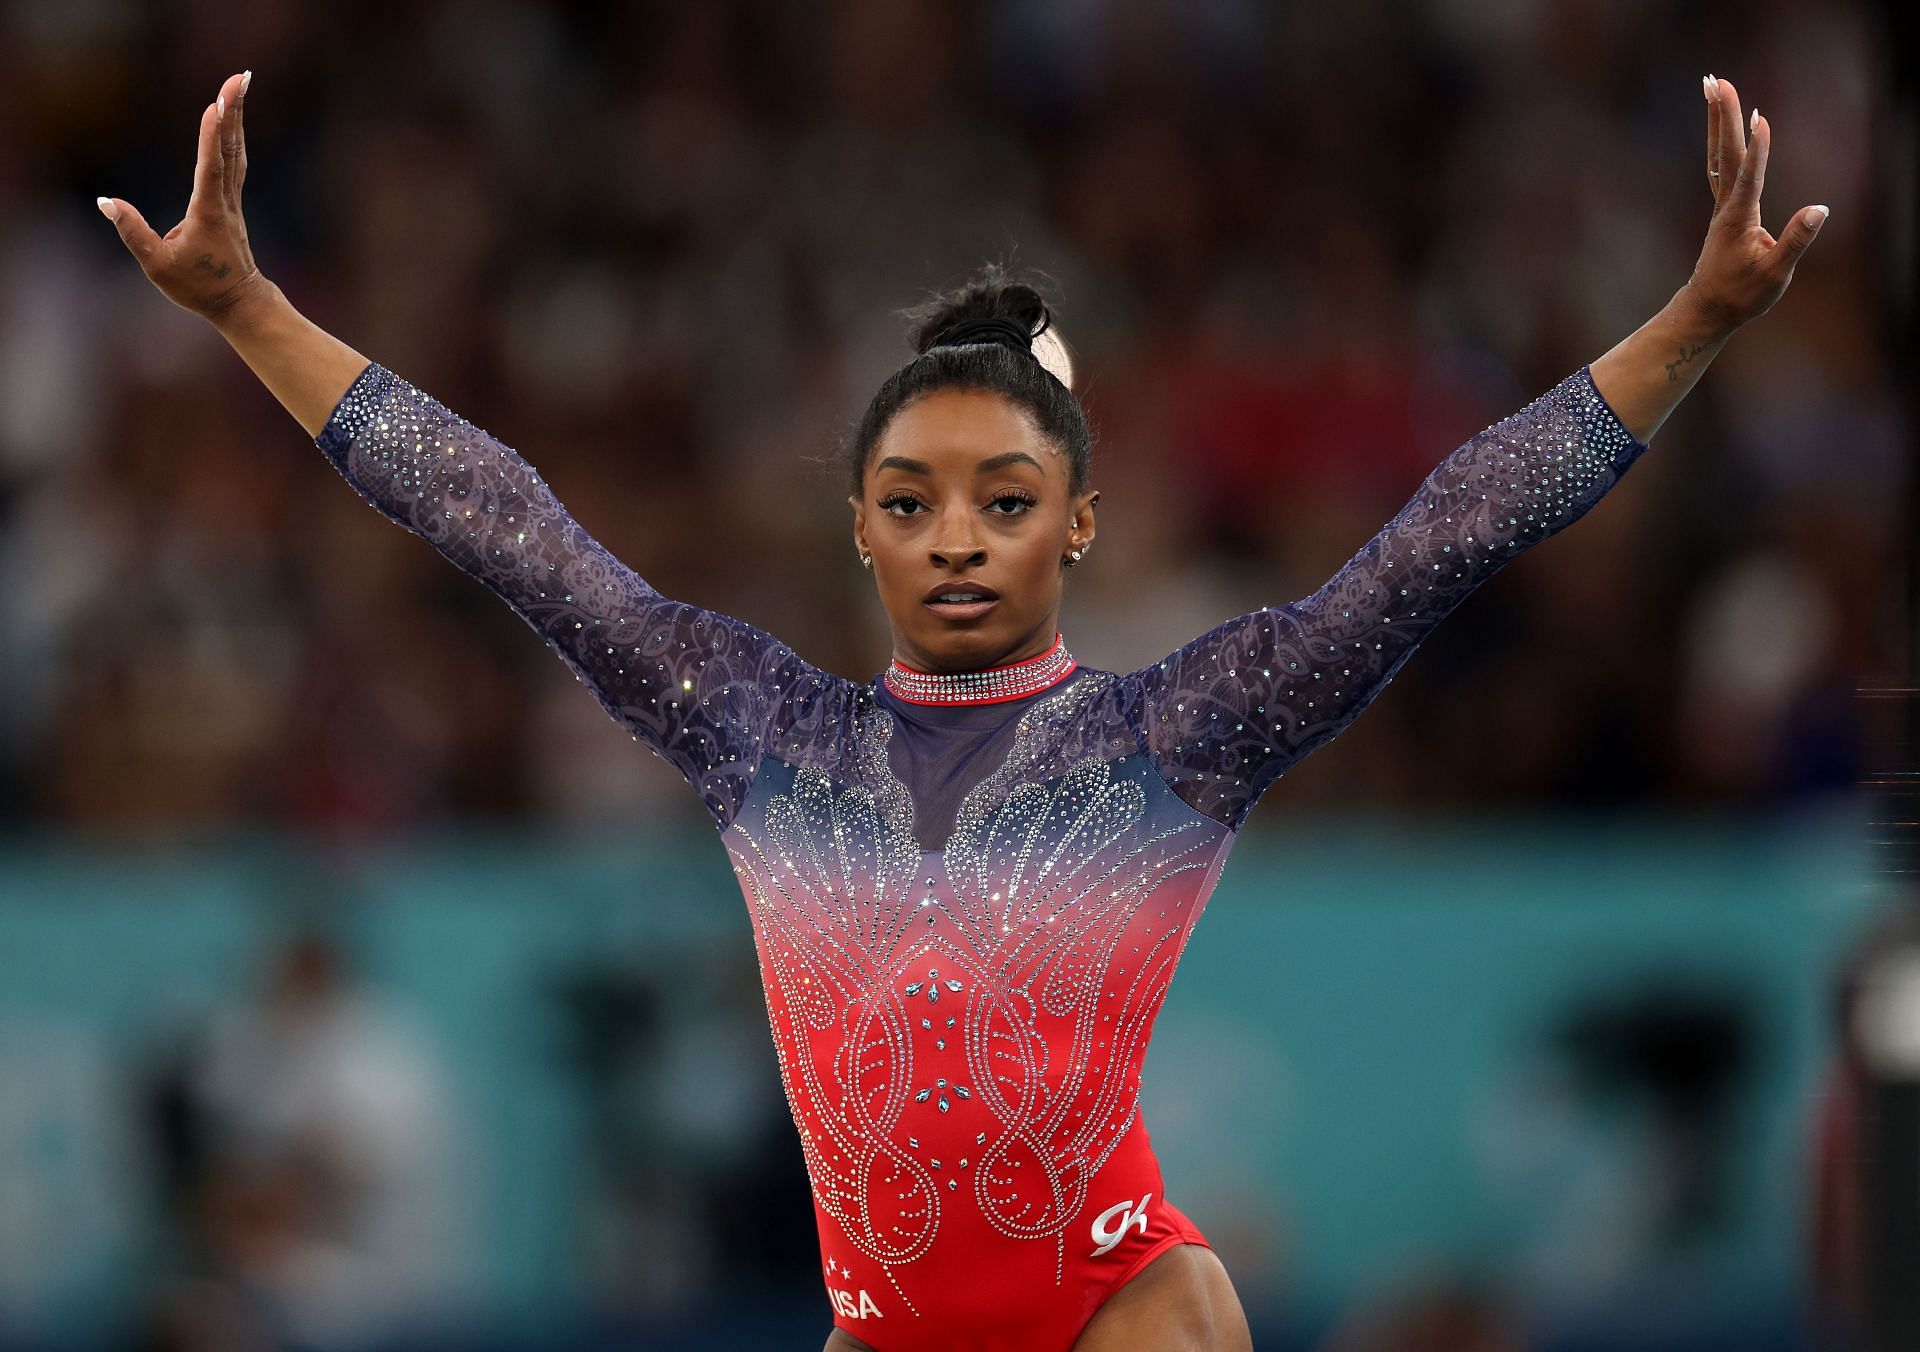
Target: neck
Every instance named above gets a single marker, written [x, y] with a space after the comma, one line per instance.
[987, 685]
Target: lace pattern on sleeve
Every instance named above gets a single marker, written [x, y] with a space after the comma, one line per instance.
[701, 689]
[1227, 714]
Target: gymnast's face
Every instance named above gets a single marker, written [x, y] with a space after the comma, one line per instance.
[963, 495]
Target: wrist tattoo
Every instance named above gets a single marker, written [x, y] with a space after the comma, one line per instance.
[206, 264]
[1687, 354]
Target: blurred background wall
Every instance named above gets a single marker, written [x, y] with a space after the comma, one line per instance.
[359, 982]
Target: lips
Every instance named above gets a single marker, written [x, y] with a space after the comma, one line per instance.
[984, 599]
[963, 587]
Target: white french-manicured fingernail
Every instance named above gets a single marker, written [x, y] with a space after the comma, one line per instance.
[107, 208]
[1753, 120]
[221, 103]
[1816, 216]
[246, 78]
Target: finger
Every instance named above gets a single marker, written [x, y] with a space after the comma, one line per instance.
[207, 168]
[1713, 137]
[1733, 140]
[1799, 234]
[135, 233]
[240, 134]
[228, 117]
[1753, 170]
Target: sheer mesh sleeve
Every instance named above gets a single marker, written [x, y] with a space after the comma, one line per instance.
[1227, 714]
[702, 689]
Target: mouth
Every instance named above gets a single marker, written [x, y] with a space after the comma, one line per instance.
[961, 600]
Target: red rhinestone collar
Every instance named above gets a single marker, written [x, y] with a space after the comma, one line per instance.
[991, 685]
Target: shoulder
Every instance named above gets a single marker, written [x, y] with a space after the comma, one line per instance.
[1089, 714]
[816, 708]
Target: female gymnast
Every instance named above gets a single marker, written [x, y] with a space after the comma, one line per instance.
[970, 877]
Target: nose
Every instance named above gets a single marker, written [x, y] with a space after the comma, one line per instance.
[959, 548]
[961, 557]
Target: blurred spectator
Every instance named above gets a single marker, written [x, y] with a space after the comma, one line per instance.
[699, 1184]
[1863, 1159]
[308, 1144]
[1614, 1147]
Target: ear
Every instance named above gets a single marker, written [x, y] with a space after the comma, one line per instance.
[859, 524]
[1080, 526]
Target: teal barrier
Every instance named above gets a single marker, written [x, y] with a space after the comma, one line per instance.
[1350, 1082]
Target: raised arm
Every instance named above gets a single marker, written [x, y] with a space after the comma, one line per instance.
[1227, 714]
[702, 689]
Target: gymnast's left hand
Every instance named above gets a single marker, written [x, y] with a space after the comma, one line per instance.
[1742, 269]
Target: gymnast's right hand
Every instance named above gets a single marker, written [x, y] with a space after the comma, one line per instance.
[203, 264]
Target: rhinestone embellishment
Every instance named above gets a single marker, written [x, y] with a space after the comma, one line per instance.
[993, 685]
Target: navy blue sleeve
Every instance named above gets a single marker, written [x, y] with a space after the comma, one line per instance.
[703, 690]
[1227, 714]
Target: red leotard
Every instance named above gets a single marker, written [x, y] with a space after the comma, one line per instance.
[967, 914]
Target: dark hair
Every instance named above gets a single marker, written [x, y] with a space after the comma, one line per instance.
[991, 366]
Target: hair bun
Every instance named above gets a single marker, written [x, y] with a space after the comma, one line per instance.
[993, 307]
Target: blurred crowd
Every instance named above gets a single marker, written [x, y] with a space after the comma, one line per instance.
[1301, 254]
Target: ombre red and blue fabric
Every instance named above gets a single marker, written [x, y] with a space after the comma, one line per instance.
[967, 915]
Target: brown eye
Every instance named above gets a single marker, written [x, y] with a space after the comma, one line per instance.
[899, 499]
[1023, 502]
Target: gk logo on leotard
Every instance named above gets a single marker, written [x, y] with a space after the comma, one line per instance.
[1111, 1225]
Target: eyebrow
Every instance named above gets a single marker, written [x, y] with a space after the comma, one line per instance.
[987, 466]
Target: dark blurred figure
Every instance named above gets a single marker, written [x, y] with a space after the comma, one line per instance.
[1616, 1144]
[1683, 1054]
[700, 1188]
[1865, 1160]
[305, 1148]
